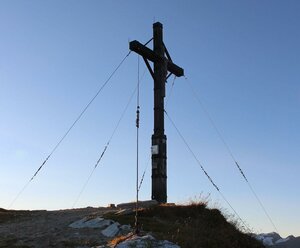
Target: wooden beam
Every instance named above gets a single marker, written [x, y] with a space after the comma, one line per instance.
[143, 51]
[150, 55]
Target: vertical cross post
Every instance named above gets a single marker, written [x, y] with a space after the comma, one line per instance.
[162, 65]
[159, 139]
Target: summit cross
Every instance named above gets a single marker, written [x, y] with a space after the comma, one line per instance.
[163, 67]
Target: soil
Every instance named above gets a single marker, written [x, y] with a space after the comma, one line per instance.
[49, 228]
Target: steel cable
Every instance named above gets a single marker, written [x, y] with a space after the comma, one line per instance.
[107, 144]
[70, 128]
[205, 172]
[230, 152]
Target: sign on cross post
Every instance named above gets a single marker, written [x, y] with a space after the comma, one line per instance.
[162, 69]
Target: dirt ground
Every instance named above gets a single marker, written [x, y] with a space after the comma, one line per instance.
[49, 228]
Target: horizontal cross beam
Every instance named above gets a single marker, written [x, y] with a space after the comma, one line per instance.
[147, 53]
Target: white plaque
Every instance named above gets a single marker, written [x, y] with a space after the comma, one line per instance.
[154, 150]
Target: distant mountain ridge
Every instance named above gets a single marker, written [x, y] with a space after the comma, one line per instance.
[274, 240]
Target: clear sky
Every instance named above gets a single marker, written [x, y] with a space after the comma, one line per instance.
[242, 57]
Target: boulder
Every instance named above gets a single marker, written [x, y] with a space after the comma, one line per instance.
[91, 223]
[112, 230]
[141, 204]
[145, 241]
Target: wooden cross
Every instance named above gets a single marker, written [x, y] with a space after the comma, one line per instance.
[162, 69]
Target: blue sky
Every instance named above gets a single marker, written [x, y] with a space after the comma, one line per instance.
[242, 57]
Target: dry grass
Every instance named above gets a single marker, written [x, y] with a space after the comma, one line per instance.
[119, 239]
[192, 225]
[10, 215]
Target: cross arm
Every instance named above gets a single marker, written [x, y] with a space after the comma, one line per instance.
[143, 51]
[147, 53]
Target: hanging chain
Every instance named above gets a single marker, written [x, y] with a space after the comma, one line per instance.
[137, 124]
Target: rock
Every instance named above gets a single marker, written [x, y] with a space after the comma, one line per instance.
[145, 241]
[124, 212]
[168, 244]
[111, 205]
[111, 230]
[91, 223]
[141, 204]
[125, 228]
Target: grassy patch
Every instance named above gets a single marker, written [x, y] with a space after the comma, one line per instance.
[9, 215]
[190, 226]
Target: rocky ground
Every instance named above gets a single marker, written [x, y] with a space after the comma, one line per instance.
[49, 228]
[77, 228]
[189, 226]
